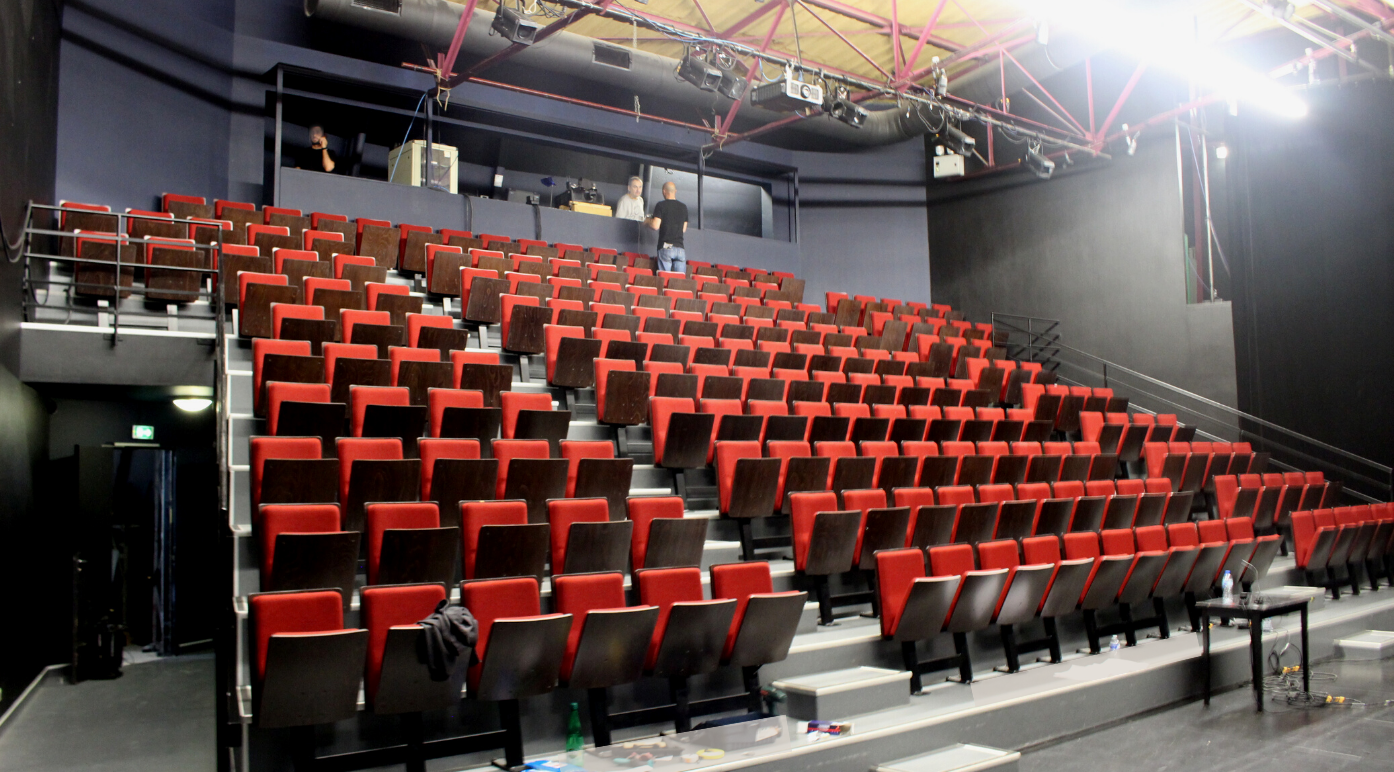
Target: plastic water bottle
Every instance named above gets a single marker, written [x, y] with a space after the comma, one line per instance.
[1227, 588]
[1114, 644]
[574, 740]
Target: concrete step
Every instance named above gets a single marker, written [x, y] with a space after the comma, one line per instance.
[848, 692]
[956, 758]
[1367, 645]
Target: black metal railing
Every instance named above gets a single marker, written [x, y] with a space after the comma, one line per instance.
[63, 286]
[1039, 340]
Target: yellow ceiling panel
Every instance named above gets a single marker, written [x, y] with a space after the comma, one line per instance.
[841, 35]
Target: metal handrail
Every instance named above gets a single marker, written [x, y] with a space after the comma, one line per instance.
[1038, 340]
[121, 239]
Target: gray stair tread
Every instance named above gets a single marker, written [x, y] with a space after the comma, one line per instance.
[954, 758]
[834, 681]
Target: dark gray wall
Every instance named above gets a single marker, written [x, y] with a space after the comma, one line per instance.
[144, 103]
[31, 570]
[1101, 251]
[862, 222]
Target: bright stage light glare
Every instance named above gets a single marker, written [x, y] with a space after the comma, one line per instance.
[1169, 41]
[1222, 152]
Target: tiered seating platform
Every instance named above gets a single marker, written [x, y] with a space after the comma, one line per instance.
[661, 493]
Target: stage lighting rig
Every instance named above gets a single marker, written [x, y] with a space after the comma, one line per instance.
[957, 141]
[786, 94]
[697, 71]
[514, 26]
[733, 74]
[1038, 164]
[840, 107]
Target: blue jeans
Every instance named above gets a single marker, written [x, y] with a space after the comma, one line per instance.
[673, 259]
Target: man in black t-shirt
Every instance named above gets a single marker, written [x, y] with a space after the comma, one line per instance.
[317, 157]
[670, 220]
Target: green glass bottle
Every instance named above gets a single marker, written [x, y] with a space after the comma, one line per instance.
[574, 740]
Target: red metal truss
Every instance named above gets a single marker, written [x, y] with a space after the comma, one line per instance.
[841, 37]
[723, 127]
[1122, 97]
[703, 11]
[881, 22]
[447, 63]
[1001, 40]
[924, 35]
[751, 18]
[1049, 96]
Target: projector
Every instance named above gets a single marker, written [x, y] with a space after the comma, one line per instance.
[787, 95]
[514, 26]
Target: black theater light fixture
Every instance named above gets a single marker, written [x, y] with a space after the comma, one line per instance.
[733, 75]
[840, 107]
[1038, 164]
[957, 141]
[514, 26]
[695, 70]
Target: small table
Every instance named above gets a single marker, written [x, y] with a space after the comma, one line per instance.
[1246, 607]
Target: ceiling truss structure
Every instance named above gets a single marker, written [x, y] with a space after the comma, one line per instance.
[866, 51]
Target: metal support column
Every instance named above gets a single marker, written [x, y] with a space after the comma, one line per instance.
[276, 151]
[430, 144]
[701, 177]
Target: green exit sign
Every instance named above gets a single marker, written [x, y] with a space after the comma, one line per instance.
[142, 432]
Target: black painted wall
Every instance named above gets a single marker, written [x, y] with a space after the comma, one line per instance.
[1099, 249]
[1314, 281]
[32, 572]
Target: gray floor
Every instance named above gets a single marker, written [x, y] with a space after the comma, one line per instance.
[158, 716]
[1231, 735]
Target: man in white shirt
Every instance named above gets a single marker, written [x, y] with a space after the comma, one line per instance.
[631, 204]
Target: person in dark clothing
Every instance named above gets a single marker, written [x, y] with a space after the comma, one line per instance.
[670, 220]
[317, 157]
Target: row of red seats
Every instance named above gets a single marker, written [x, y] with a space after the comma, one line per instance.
[520, 651]
[1193, 466]
[926, 464]
[1271, 497]
[1010, 583]
[1326, 541]
[973, 514]
[472, 534]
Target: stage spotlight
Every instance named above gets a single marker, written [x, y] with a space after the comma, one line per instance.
[514, 26]
[1222, 152]
[844, 109]
[695, 70]
[1038, 164]
[733, 75]
[957, 141]
[192, 404]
